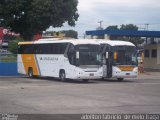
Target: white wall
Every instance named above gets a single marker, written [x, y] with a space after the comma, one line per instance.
[152, 63]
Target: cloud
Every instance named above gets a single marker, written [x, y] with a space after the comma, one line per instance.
[116, 12]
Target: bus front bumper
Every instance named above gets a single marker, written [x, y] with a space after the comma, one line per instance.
[126, 74]
[87, 75]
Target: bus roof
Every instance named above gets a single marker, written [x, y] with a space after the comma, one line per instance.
[73, 41]
[115, 42]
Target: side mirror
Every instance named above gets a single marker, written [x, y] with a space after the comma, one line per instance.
[77, 55]
[106, 55]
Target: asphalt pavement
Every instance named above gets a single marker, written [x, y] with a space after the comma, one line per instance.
[22, 95]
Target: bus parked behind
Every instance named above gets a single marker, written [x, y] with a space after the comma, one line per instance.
[119, 59]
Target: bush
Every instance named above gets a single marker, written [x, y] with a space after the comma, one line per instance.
[13, 46]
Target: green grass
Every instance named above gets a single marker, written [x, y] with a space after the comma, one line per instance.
[8, 58]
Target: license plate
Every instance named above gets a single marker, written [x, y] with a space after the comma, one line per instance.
[127, 73]
[126, 68]
[91, 74]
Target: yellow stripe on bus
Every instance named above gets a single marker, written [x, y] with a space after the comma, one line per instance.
[126, 68]
[24, 43]
[29, 61]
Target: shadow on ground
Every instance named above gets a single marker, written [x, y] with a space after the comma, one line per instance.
[71, 81]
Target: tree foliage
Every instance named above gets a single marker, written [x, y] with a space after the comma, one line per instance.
[13, 46]
[123, 27]
[134, 40]
[66, 33]
[112, 27]
[128, 27]
[70, 33]
[28, 17]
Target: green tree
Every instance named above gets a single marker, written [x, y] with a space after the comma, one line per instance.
[112, 27]
[29, 17]
[70, 33]
[128, 27]
[13, 46]
[134, 40]
[66, 33]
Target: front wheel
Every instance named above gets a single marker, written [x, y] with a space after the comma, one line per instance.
[120, 79]
[62, 76]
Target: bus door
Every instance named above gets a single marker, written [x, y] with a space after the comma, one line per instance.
[104, 67]
[107, 61]
[108, 64]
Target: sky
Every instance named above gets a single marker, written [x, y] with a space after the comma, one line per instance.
[115, 12]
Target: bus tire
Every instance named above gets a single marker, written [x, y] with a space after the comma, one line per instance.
[120, 79]
[102, 78]
[62, 75]
[30, 73]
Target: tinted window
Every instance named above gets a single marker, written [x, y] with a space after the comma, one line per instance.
[88, 48]
[124, 55]
[56, 48]
[26, 49]
[146, 53]
[105, 48]
[154, 53]
[89, 54]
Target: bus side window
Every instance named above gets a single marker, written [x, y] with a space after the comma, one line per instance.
[26, 49]
[63, 48]
[38, 49]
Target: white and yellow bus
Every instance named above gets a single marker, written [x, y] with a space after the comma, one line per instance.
[64, 59]
[119, 59]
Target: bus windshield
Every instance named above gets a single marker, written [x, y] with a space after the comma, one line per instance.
[124, 55]
[89, 54]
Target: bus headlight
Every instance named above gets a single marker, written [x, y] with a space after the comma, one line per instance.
[135, 69]
[115, 69]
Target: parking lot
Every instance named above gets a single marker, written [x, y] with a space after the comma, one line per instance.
[21, 95]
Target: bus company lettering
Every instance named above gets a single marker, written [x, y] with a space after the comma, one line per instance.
[49, 58]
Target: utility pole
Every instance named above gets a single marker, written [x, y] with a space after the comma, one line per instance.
[146, 26]
[146, 30]
[100, 24]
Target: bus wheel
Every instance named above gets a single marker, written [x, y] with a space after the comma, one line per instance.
[62, 75]
[120, 79]
[30, 73]
[102, 78]
[85, 80]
